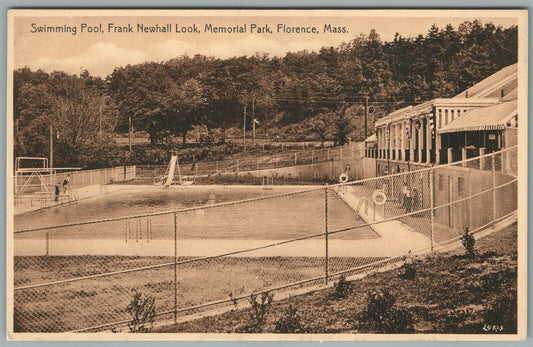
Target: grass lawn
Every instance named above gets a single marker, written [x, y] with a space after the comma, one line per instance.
[449, 294]
[92, 302]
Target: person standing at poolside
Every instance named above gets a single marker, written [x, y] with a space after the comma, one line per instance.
[65, 183]
[56, 192]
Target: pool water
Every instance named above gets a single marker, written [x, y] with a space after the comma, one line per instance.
[286, 217]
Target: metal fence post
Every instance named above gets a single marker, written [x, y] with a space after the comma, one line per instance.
[47, 244]
[175, 267]
[432, 204]
[450, 195]
[326, 228]
[493, 190]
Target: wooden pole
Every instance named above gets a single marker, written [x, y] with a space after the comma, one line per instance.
[51, 155]
[175, 267]
[244, 128]
[432, 199]
[253, 119]
[326, 229]
[130, 133]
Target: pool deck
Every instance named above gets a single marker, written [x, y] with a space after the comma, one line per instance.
[393, 233]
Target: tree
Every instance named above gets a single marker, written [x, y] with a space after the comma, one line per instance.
[322, 125]
[343, 126]
[139, 92]
[76, 119]
[183, 106]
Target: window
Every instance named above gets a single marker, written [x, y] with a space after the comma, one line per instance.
[445, 117]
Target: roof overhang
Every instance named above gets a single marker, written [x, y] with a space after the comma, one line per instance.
[489, 118]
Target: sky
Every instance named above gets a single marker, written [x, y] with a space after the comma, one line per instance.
[101, 52]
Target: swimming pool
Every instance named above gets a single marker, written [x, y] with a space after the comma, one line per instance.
[255, 222]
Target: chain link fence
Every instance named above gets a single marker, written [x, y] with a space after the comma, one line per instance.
[210, 256]
[38, 188]
[149, 173]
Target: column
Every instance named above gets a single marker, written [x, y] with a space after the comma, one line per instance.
[402, 147]
[420, 139]
[437, 147]
[411, 140]
[428, 140]
[392, 141]
[463, 156]
[398, 140]
[380, 143]
[450, 155]
[388, 133]
[482, 159]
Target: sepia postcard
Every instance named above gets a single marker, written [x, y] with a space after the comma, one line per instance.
[267, 174]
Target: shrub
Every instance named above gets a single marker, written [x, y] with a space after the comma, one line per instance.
[408, 271]
[290, 322]
[502, 313]
[259, 312]
[469, 243]
[380, 315]
[343, 288]
[459, 321]
[142, 311]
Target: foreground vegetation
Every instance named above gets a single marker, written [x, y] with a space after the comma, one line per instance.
[453, 292]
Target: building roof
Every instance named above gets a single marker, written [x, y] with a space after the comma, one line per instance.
[372, 138]
[482, 94]
[405, 113]
[491, 87]
[486, 118]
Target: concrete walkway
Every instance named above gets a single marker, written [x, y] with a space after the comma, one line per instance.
[394, 234]
[208, 247]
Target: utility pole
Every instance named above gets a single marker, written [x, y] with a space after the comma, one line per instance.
[265, 127]
[130, 133]
[100, 119]
[253, 120]
[51, 154]
[244, 129]
[366, 113]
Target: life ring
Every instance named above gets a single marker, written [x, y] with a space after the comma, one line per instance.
[379, 197]
[343, 178]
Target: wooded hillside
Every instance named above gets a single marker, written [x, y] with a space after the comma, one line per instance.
[302, 95]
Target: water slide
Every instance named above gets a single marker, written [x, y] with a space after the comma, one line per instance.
[171, 169]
